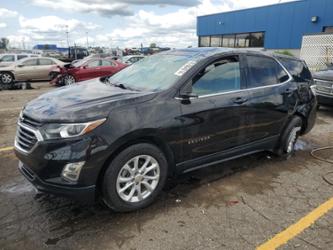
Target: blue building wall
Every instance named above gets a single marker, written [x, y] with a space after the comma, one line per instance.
[284, 24]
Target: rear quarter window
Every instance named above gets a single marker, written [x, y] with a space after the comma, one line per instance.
[297, 69]
[264, 71]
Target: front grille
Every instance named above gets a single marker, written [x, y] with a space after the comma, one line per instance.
[30, 122]
[324, 86]
[25, 138]
[27, 133]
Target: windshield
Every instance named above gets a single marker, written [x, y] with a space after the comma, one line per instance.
[79, 63]
[154, 73]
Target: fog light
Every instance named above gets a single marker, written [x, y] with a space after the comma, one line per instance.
[71, 171]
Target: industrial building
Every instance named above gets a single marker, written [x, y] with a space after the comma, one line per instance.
[274, 27]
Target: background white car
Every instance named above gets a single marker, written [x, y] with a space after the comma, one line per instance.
[8, 59]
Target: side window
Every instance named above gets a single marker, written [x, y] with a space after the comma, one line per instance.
[8, 58]
[31, 62]
[45, 62]
[264, 71]
[93, 64]
[218, 77]
[297, 69]
[21, 56]
[107, 63]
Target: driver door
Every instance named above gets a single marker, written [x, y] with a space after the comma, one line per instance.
[91, 70]
[216, 120]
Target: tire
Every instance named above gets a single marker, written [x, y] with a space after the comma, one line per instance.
[289, 138]
[6, 78]
[121, 173]
[69, 79]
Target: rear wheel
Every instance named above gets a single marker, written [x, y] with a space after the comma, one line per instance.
[134, 178]
[289, 138]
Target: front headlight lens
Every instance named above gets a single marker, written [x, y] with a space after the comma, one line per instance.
[56, 131]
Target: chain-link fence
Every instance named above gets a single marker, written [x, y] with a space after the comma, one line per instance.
[317, 51]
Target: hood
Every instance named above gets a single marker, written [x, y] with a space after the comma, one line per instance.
[85, 101]
[326, 75]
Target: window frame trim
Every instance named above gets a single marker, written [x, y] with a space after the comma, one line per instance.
[247, 89]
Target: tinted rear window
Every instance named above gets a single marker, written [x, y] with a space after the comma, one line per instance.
[297, 69]
[264, 71]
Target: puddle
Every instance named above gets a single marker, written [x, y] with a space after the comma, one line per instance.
[303, 145]
[17, 187]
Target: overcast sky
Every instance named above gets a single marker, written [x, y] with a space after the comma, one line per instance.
[111, 23]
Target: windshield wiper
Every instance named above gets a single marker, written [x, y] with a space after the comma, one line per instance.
[122, 86]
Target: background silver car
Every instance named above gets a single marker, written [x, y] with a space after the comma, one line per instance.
[29, 69]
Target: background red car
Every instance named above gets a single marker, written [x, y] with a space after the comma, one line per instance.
[84, 70]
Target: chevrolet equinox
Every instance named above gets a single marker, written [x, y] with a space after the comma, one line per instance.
[119, 138]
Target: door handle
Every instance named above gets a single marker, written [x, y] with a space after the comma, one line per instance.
[239, 100]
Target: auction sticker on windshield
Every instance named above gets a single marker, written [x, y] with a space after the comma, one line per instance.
[183, 69]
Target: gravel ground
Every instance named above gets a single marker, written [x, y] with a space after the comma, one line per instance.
[234, 205]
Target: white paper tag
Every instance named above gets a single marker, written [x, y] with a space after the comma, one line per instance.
[183, 69]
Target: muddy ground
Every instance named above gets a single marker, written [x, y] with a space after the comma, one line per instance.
[234, 205]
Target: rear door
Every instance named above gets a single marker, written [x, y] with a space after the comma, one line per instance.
[216, 120]
[271, 97]
[26, 70]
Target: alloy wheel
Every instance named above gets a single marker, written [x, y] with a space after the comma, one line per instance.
[138, 178]
[292, 139]
[69, 80]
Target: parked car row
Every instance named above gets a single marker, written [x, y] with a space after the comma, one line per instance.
[22, 67]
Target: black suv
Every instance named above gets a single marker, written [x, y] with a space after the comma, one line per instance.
[324, 86]
[119, 138]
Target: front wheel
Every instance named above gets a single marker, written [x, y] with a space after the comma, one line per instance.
[134, 178]
[6, 78]
[69, 80]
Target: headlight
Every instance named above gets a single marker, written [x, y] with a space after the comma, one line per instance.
[313, 89]
[56, 131]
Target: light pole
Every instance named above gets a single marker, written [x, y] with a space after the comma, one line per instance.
[87, 39]
[67, 36]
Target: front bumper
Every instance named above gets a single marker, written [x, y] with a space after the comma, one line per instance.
[83, 194]
[43, 165]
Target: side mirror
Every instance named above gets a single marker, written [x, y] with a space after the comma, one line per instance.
[187, 96]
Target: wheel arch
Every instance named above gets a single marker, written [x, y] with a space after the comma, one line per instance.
[129, 140]
[10, 72]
